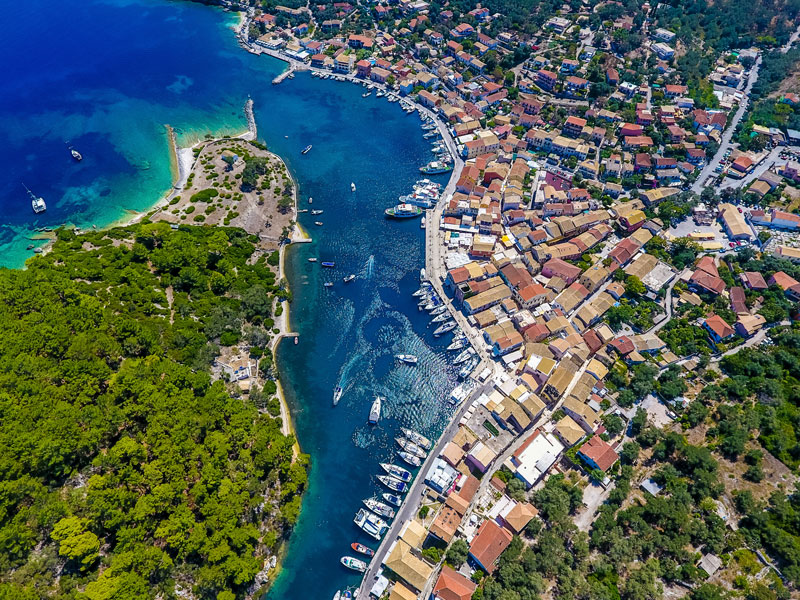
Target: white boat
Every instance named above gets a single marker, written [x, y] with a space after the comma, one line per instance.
[372, 525]
[412, 460]
[438, 310]
[421, 292]
[458, 344]
[422, 276]
[317, 211]
[328, 284]
[352, 187]
[393, 499]
[444, 328]
[379, 508]
[337, 595]
[375, 411]
[410, 447]
[349, 278]
[422, 223]
[440, 318]
[393, 483]
[460, 394]
[37, 203]
[468, 368]
[407, 358]
[416, 437]
[399, 472]
[312, 259]
[318, 223]
[353, 563]
[337, 394]
[464, 356]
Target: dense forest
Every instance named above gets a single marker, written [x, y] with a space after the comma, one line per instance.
[126, 471]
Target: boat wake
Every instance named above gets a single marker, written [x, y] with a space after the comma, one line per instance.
[369, 269]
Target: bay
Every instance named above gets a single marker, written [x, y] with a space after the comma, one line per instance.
[106, 76]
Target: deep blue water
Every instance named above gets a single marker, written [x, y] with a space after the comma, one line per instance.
[107, 75]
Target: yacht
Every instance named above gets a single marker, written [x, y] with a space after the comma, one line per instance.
[353, 563]
[379, 508]
[444, 328]
[460, 394]
[419, 439]
[438, 310]
[403, 211]
[399, 472]
[393, 483]
[393, 499]
[464, 356]
[337, 394]
[440, 318]
[352, 187]
[468, 368]
[375, 411]
[371, 524]
[329, 264]
[317, 211]
[458, 344]
[75, 154]
[436, 167]
[422, 276]
[410, 447]
[37, 203]
[406, 358]
[349, 278]
[412, 460]
[306, 150]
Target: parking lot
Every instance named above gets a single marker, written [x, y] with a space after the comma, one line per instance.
[688, 226]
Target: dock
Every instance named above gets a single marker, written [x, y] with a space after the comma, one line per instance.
[283, 75]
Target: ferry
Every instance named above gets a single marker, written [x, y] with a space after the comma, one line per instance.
[393, 499]
[449, 326]
[412, 460]
[393, 483]
[329, 264]
[362, 549]
[312, 259]
[410, 447]
[372, 525]
[354, 563]
[307, 149]
[399, 472]
[375, 411]
[379, 508]
[37, 204]
[436, 167]
[407, 358]
[419, 439]
[337, 394]
[403, 211]
[349, 278]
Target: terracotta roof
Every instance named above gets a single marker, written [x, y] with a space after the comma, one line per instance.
[452, 585]
[520, 516]
[600, 452]
[718, 325]
[488, 544]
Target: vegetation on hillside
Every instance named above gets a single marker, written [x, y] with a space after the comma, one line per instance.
[125, 470]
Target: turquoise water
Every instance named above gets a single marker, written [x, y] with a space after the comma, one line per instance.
[123, 70]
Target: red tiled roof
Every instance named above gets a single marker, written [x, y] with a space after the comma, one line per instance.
[718, 325]
[600, 452]
[452, 585]
[489, 543]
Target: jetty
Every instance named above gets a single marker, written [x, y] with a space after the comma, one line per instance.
[284, 75]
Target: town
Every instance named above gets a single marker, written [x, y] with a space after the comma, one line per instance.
[614, 230]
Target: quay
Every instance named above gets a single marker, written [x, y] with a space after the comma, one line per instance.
[287, 73]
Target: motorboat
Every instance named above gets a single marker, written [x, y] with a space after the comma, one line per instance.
[353, 563]
[349, 278]
[422, 275]
[410, 447]
[419, 439]
[458, 344]
[398, 472]
[468, 368]
[379, 508]
[318, 223]
[362, 549]
[464, 356]
[337, 394]
[312, 259]
[352, 187]
[441, 318]
[409, 359]
[328, 284]
[375, 411]
[392, 499]
[371, 524]
[444, 328]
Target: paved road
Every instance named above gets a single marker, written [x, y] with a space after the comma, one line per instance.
[727, 135]
[757, 172]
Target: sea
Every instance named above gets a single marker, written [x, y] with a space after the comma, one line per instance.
[106, 77]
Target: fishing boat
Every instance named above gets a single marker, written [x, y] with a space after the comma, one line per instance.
[354, 563]
[393, 483]
[75, 154]
[441, 318]
[371, 525]
[375, 411]
[318, 223]
[318, 211]
[352, 187]
[419, 439]
[458, 344]
[306, 150]
[409, 458]
[329, 264]
[392, 499]
[436, 167]
[399, 472]
[464, 356]
[362, 549]
[379, 508]
[403, 211]
[410, 447]
[468, 368]
[37, 203]
[349, 278]
[328, 284]
[406, 358]
[444, 328]
[312, 259]
[337, 394]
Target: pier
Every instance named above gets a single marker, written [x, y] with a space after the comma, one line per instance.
[283, 75]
